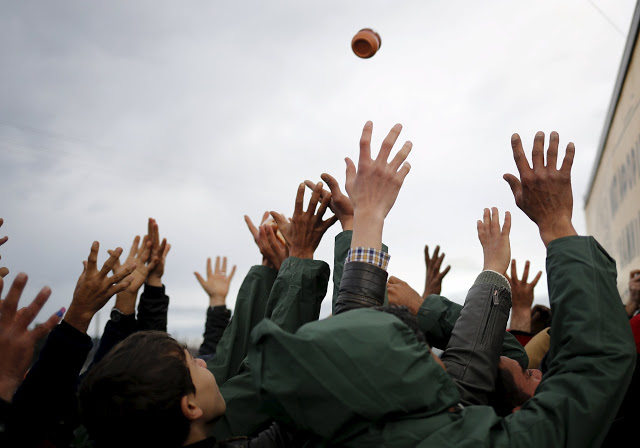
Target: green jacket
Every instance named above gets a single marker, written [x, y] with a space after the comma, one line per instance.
[362, 379]
[436, 316]
[293, 300]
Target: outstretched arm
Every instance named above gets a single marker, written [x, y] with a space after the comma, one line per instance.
[474, 348]
[522, 297]
[433, 282]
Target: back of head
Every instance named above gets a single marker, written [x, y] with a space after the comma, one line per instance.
[540, 318]
[132, 397]
[507, 395]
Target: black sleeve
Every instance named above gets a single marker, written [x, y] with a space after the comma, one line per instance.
[152, 308]
[45, 405]
[217, 320]
[363, 285]
[114, 333]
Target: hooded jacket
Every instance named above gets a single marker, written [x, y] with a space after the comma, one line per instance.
[362, 379]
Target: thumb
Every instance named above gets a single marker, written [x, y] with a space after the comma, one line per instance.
[351, 173]
[332, 183]
[514, 183]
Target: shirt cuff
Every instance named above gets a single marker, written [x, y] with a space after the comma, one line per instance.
[369, 255]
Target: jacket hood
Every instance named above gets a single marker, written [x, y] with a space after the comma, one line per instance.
[337, 376]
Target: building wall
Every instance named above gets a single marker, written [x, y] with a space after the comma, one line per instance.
[613, 205]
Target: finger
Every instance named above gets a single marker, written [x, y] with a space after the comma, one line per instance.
[280, 220]
[388, 142]
[31, 311]
[270, 236]
[145, 249]
[333, 184]
[350, 174]
[518, 155]
[233, 271]
[324, 204]
[480, 228]
[111, 261]
[297, 210]
[165, 251]
[4, 271]
[117, 288]
[252, 228]
[632, 274]
[315, 197]
[436, 252]
[3, 240]
[10, 303]
[365, 142]
[134, 246]
[122, 273]
[438, 263]
[426, 253]
[525, 273]
[534, 282]
[506, 228]
[200, 279]
[401, 156]
[552, 152]
[209, 271]
[514, 271]
[116, 265]
[43, 329]
[155, 237]
[267, 249]
[486, 218]
[224, 264]
[446, 271]
[329, 222]
[310, 185]
[568, 159]
[514, 183]
[495, 221]
[406, 167]
[92, 261]
[537, 153]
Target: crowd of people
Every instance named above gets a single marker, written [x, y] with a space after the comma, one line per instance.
[275, 375]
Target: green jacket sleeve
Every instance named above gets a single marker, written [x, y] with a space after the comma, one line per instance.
[592, 352]
[438, 315]
[249, 310]
[294, 300]
[342, 245]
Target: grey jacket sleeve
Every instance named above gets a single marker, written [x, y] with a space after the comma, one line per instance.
[473, 352]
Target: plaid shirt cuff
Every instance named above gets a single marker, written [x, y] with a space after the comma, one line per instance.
[369, 255]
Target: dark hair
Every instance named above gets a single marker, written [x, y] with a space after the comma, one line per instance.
[507, 395]
[540, 318]
[132, 397]
[403, 313]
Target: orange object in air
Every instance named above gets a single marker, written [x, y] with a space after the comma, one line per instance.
[366, 43]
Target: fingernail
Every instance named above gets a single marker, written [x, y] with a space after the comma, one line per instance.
[61, 312]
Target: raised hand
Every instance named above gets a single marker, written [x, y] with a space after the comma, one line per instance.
[305, 229]
[217, 283]
[16, 340]
[543, 192]
[95, 288]
[433, 282]
[495, 241]
[400, 293]
[340, 204]
[522, 297]
[3, 271]
[272, 254]
[374, 186]
[159, 251]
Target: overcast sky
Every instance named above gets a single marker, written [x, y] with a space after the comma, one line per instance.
[196, 113]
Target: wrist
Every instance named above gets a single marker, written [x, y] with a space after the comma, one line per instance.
[217, 300]
[556, 230]
[521, 319]
[78, 319]
[126, 302]
[154, 280]
[346, 222]
[367, 229]
[301, 253]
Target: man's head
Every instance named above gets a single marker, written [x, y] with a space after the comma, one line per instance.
[148, 391]
[514, 386]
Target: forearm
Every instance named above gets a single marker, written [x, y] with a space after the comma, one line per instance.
[363, 286]
[153, 308]
[521, 319]
[473, 351]
[249, 310]
[217, 321]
